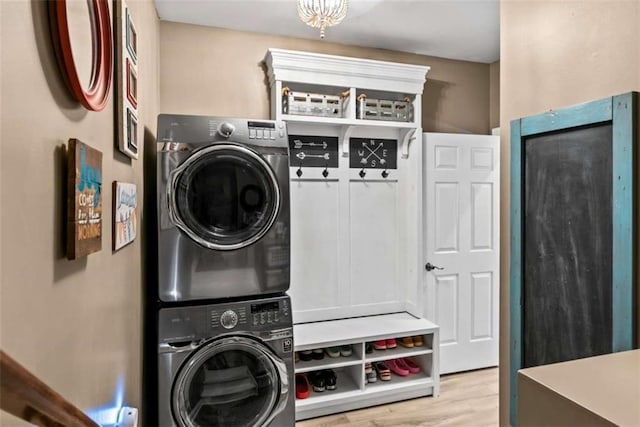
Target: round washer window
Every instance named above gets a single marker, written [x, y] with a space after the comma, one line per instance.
[229, 382]
[225, 196]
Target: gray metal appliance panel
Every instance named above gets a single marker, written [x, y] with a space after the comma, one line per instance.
[186, 270]
[203, 324]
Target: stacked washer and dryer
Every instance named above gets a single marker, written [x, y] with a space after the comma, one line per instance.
[224, 327]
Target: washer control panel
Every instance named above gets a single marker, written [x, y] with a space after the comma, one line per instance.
[266, 130]
[264, 315]
[260, 314]
[269, 313]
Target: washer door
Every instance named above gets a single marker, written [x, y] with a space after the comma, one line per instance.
[224, 197]
[231, 381]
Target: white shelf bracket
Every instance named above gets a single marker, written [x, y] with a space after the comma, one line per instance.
[407, 136]
[345, 134]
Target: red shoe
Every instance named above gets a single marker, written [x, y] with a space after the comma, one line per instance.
[380, 345]
[391, 343]
[395, 367]
[411, 365]
[303, 389]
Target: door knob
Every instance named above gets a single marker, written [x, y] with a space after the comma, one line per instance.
[430, 267]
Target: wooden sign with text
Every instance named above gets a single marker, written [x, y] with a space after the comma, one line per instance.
[84, 200]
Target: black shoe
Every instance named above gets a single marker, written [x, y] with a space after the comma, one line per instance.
[318, 353]
[317, 381]
[306, 355]
[330, 379]
[368, 348]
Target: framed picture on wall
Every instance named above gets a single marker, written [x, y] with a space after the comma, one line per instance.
[125, 206]
[84, 200]
[126, 53]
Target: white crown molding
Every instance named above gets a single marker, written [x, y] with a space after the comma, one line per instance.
[315, 68]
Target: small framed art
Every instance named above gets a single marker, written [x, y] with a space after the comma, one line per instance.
[126, 37]
[125, 208]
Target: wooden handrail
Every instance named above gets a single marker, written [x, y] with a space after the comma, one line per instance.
[22, 394]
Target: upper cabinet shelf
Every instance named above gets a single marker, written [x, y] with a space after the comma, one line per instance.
[315, 88]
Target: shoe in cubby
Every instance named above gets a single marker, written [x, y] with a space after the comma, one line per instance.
[317, 353]
[391, 343]
[382, 371]
[397, 367]
[370, 377]
[333, 352]
[409, 364]
[303, 388]
[345, 350]
[406, 342]
[317, 381]
[418, 341]
[380, 345]
[330, 379]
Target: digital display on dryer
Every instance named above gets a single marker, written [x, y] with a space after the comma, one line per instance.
[264, 307]
[270, 125]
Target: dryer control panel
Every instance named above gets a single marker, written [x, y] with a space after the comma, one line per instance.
[176, 130]
[205, 321]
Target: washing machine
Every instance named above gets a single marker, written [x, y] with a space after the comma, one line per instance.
[223, 207]
[228, 364]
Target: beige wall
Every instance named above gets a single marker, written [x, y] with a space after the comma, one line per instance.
[553, 54]
[494, 94]
[74, 324]
[215, 71]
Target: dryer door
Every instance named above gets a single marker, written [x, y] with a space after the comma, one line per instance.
[231, 381]
[224, 196]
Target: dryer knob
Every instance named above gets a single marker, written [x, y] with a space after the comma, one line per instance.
[229, 319]
[226, 129]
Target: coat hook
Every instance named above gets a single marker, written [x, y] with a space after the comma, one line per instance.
[385, 173]
[362, 173]
[299, 171]
[325, 172]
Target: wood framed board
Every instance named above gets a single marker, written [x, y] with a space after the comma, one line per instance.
[84, 200]
[572, 234]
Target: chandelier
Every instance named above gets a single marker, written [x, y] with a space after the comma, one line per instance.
[322, 13]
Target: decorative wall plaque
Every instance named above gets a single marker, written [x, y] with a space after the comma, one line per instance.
[84, 200]
[373, 153]
[125, 206]
[313, 151]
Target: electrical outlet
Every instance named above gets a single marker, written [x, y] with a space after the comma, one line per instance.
[128, 417]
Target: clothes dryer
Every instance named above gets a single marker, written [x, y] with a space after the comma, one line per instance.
[227, 364]
[223, 207]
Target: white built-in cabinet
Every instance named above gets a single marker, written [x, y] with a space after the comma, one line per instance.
[356, 234]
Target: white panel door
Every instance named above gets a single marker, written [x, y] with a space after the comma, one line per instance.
[462, 202]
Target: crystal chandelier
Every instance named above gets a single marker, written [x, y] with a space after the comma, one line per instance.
[322, 13]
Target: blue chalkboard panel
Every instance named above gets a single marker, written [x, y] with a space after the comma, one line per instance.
[567, 284]
[572, 278]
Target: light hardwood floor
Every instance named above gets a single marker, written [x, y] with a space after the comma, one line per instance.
[466, 399]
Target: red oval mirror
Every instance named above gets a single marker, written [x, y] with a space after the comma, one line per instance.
[95, 96]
